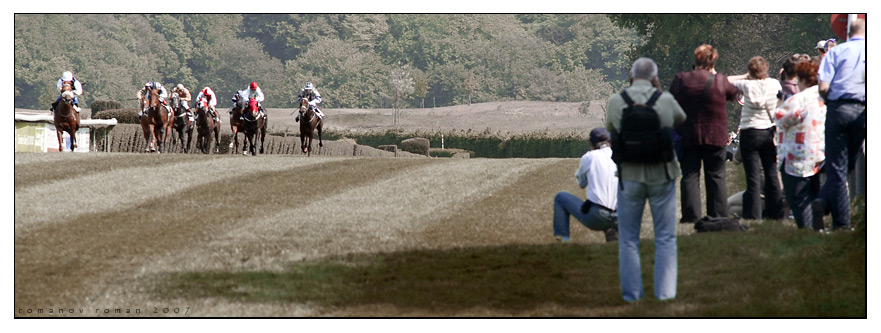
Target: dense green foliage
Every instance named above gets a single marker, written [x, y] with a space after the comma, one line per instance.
[444, 59]
[670, 40]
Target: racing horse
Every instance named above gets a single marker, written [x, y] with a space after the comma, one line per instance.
[66, 119]
[253, 126]
[205, 126]
[309, 122]
[235, 123]
[155, 121]
[182, 124]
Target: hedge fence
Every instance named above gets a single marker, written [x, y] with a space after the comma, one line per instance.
[481, 144]
[130, 138]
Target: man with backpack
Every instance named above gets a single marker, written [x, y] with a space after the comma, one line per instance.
[641, 120]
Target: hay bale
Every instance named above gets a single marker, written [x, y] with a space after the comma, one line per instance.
[416, 146]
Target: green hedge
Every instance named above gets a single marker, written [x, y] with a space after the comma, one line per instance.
[483, 144]
[98, 106]
[123, 116]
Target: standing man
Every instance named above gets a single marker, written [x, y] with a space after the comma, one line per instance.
[842, 83]
[655, 181]
[596, 173]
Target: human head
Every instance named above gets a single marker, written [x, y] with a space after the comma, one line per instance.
[180, 86]
[66, 76]
[148, 85]
[807, 72]
[858, 28]
[599, 136]
[705, 57]
[644, 69]
[205, 90]
[309, 86]
[789, 65]
[830, 43]
[821, 47]
[758, 68]
[253, 85]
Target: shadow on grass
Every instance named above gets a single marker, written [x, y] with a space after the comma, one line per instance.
[771, 271]
[505, 278]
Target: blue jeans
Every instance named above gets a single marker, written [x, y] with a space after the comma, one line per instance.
[800, 191]
[845, 131]
[631, 201]
[566, 204]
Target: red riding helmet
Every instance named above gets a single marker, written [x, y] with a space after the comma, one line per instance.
[253, 85]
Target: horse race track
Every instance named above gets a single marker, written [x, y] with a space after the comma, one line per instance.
[108, 231]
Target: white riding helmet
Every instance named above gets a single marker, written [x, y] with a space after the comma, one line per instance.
[66, 76]
[180, 86]
[308, 86]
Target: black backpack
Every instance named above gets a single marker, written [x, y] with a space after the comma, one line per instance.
[641, 139]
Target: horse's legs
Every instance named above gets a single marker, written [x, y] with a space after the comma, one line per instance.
[160, 136]
[60, 134]
[320, 125]
[216, 139]
[72, 133]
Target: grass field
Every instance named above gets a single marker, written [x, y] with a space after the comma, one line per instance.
[285, 235]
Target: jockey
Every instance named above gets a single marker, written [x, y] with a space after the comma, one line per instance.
[238, 100]
[313, 96]
[185, 97]
[208, 95]
[77, 90]
[143, 94]
[253, 91]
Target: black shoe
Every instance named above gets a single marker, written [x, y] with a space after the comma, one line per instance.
[611, 234]
[818, 209]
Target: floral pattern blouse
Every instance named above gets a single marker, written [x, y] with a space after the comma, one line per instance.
[801, 127]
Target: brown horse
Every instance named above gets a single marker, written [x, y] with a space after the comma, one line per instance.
[235, 125]
[182, 124]
[66, 119]
[309, 122]
[205, 126]
[155, 121]
[254, 126]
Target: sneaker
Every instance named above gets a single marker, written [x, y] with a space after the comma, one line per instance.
[818, 209]
[611, 235]
[561, 239]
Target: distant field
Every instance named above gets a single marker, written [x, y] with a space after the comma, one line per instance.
[282, 235]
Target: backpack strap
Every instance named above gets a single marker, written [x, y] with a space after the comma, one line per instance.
[709, 84]
[653, 99]
[626, 98]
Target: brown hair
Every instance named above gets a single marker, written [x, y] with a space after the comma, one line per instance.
[807, 71]
[758, 68]
[789, 65]
[705, 57]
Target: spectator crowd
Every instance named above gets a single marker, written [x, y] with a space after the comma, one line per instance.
[801, 142]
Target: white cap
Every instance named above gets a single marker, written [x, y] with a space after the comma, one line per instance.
[66, 76]
[821, 44]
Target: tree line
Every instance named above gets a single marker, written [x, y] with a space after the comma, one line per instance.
[384, 60]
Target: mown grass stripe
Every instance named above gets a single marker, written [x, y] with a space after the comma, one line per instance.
[44, 171]
[116, 189]
[385, 215]
[57, 263]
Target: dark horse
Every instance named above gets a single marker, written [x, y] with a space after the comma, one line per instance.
[182, 124]
[205, 126]
[254, 126]
[154, 122]
[66, 119]
[309, 122]
[234, 125]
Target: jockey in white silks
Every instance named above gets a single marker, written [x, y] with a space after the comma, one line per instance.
[77, 90]
[314, 98]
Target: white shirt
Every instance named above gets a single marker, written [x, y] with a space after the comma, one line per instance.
[759, 99]
[258, 94]
[212, 102]
[597, 173]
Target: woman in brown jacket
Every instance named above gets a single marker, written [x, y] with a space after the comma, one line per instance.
[704, 134]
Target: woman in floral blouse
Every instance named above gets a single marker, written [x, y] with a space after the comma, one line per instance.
[801, 122]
